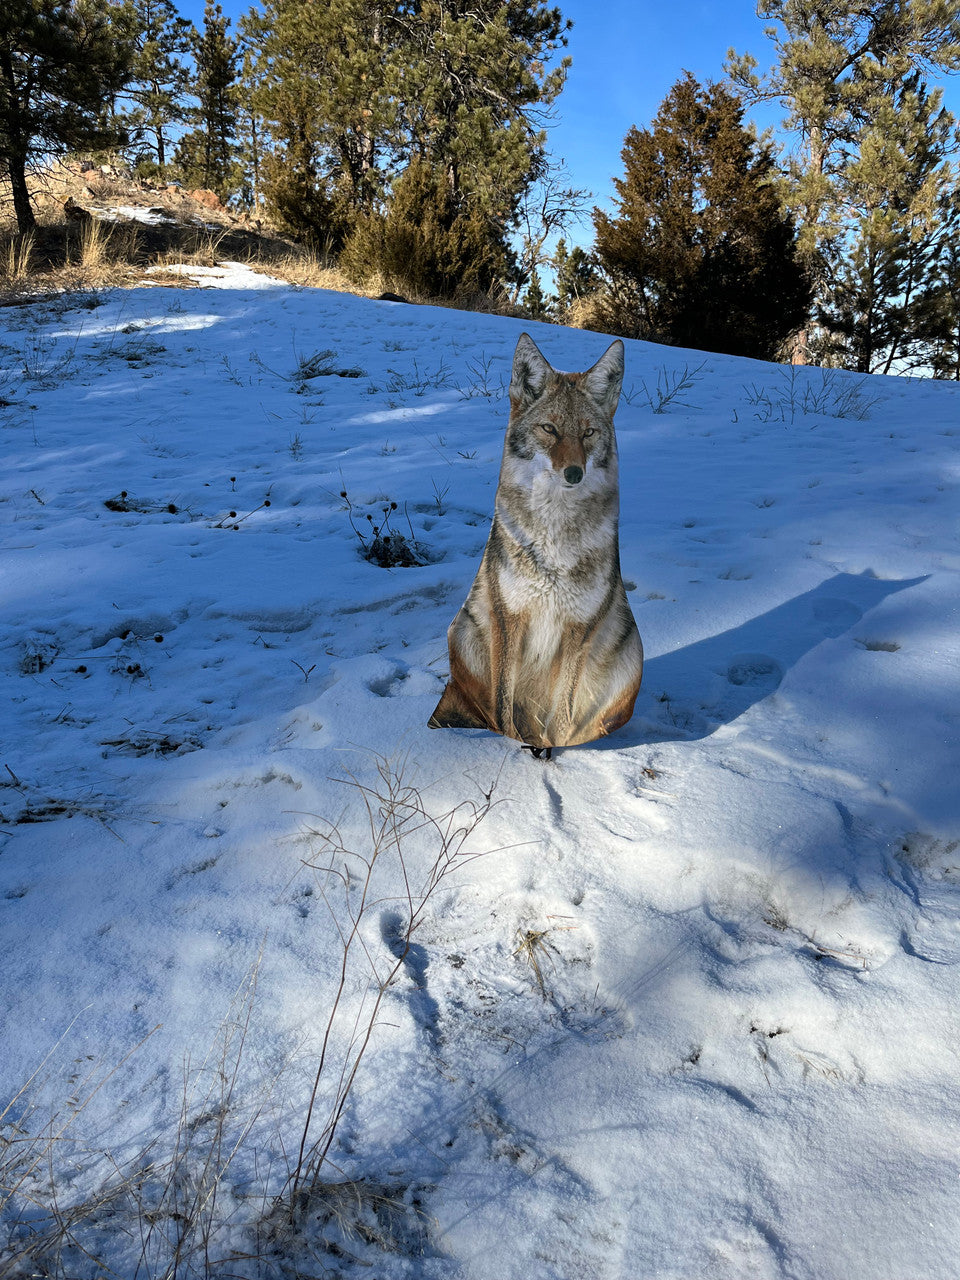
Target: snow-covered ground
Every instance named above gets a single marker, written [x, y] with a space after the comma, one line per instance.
[693, 1011]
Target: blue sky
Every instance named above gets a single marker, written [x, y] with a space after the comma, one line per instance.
[626, 56]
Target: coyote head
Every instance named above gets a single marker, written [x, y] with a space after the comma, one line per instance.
[562, 423]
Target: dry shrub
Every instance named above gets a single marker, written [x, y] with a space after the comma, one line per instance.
[588, 312]
[196, 246]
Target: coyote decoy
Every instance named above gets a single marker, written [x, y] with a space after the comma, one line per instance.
[545, 649]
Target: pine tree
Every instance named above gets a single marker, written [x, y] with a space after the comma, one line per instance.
[250, 128]
[353, 91]
[879, 299]
[943, 328]
[473, 77]
[59, 61]
[318, 82]
[535, 301]
[701, 253]
[207, 155]
[837, 62]
[575, 274]
[161, 79]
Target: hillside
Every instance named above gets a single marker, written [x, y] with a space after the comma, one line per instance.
[683, 1004]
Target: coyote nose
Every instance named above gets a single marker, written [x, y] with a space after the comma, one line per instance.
[573, 475]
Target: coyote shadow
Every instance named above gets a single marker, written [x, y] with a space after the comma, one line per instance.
[689, 693]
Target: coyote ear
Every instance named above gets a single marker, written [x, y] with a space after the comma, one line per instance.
[603, 382]
[529, 376]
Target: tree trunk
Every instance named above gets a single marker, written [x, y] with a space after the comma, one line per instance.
[16, 169]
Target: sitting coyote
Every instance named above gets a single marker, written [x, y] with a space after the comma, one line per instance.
[545, 649]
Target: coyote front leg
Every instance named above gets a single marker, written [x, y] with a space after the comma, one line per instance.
[506, 647]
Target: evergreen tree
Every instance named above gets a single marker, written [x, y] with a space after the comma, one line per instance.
[318, 81]
[575, 274]
[161, 79]
[535, 301]
[423, 244]
[207, 155]
[943, 331]
[353, 91]
[701, 253]
[837, 63]
[879, 300]
[59, 61]
[250, 128]
[473, 77]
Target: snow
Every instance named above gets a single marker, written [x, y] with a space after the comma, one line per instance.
[744, 906]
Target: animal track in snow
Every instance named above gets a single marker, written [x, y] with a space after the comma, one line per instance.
[195, 870]
[388, 686]
[756, 670]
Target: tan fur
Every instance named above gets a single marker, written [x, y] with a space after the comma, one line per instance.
[545, 648]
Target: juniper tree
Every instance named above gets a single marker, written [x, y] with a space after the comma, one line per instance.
[207, 155]
[161, 78]
[423, 243]
[60, 60]
[700, 253]
[837, 63]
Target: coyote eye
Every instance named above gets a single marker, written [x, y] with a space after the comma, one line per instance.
[548, 428]
[587, 434]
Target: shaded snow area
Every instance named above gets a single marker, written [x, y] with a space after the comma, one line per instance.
[680, 1004]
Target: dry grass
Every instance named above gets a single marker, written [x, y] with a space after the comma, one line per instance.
[533, 947]
[15, 266]
[73, 253]
[102, 250]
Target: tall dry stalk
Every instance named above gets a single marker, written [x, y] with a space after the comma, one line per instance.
[397, 819]
[17, 261]
[103, 244]
[32, 1152]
